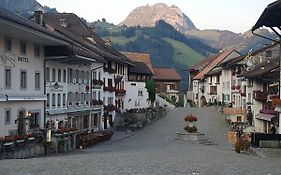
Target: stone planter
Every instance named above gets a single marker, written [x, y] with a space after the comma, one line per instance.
[190, 136]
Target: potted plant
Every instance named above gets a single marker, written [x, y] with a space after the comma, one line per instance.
[191, 123]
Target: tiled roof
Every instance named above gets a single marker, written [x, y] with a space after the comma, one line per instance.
[140, 68]
[166, 74]
[140, 57]
[220, 57]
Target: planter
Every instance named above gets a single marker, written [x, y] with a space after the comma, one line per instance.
[194, 136]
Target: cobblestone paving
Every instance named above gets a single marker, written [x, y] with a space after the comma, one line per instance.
[153, 151]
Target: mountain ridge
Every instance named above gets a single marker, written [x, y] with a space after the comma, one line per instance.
[25, 8]
[147, 16]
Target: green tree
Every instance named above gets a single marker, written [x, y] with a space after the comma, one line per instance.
[150, 86]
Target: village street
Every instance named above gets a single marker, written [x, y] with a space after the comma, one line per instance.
[153, 150]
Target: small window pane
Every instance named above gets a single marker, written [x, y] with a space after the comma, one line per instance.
[22, 47]
[37, 80]
[8, 44]
[8, 78]
[23, 79]
[7, 116]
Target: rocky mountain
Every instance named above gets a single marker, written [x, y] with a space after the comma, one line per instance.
[227, 39]
[24, 7]
[148, 15]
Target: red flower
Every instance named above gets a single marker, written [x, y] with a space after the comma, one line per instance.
[190, 118]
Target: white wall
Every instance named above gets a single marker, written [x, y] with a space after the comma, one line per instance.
[132, 99]
[31, 65]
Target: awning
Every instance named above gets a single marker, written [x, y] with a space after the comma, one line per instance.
[270, 16]
[266, 117]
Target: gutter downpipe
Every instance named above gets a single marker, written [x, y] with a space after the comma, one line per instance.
[278, 34]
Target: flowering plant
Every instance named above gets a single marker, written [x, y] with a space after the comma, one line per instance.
[190, 119]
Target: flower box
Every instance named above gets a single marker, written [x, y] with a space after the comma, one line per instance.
[237, 87]
[233, 87]
[120, 92]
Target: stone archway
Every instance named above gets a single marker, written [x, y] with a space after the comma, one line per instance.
[203, 101]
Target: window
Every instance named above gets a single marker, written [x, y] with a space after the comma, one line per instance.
[77, 76]
[64, 76]
[211, 79]
[69, 98]
[110, 101]
[82, 77]
[7, 44]
[63, 100]
[7, 116]
[47, 74]
[268, 53]
[59, 100]
[109, 82]
[8, 78]
[59, 75]
[48, 100]
[94, 75]
[140, 93]
[88, 77]
[70, 75]
[36, 50]
[82, 99]
[37, 80]
[218, 78]
[23, 80]
[22, 47]
[54, 75]
[53, 100]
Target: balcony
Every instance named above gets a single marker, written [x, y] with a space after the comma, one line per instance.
[96, 102]
[109, 107]
[97, 83]
[109, 70]
[260, 96]
[109, 89]
[120, 92]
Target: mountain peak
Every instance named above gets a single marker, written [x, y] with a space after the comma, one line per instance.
[148, 15]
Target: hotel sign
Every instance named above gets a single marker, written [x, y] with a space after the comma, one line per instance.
[23, 59]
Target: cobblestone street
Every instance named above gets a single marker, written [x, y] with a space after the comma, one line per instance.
[154, 150]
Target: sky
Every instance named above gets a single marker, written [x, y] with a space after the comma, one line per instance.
[234, 15]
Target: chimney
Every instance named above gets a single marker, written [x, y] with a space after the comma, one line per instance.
[38, 15]
[63, 22]
[107, 41]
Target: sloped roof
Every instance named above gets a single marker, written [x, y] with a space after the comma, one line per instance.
[140, 68]
[19, 20]
[166, 74]
[202, 64]
[77, 30]
[262, 69]
[220, 57]
[242, 57]
[140, 57]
